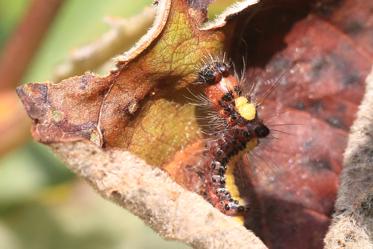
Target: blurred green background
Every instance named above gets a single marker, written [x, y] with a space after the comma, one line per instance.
[42, 204]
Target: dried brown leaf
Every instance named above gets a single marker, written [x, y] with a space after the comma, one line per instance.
[126, 108]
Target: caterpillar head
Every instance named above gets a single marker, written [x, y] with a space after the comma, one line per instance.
[247, 110]
[261, 130]
[224, 92]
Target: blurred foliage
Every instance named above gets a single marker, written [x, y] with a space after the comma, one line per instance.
[79, 22]
[10, 11]
[42, 204]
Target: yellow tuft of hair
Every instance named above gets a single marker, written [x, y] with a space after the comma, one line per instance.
[246, 109]
[240, 101]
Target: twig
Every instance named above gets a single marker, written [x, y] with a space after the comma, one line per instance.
[122, 35]
[148, 192]
[24, 42]
[352, 226]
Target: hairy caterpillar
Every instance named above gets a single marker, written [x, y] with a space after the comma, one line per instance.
[238, 125]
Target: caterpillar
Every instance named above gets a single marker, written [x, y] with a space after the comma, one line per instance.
[239, 125]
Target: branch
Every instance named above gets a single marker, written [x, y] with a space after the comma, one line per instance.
[22, 46]
[353, 223]
[122, 35]
[148, 192]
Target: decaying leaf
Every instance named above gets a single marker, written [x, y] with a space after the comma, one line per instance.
[291, 180]
[142, 107]
[141, 100]
[318, 99]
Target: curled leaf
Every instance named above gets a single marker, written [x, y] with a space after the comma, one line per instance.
[141, 107]
[124, 108]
